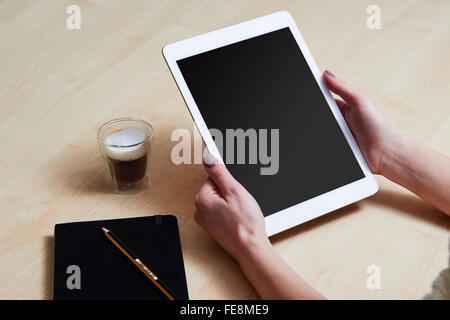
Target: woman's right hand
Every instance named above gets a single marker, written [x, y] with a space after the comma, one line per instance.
[229, 213]
[233, 218]
[368, 126]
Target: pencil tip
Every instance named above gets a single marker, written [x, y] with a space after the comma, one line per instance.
[104, 229]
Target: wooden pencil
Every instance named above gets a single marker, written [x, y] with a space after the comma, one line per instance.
[138, 263]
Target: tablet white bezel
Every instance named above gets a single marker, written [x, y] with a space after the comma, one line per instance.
[308, 209]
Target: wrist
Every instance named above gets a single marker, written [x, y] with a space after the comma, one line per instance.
[391, 152]
[254, 248]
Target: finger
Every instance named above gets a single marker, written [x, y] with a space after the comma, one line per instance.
[342, 88]
[210, 189]
[341, 104]
[219, 174]
[207, 194]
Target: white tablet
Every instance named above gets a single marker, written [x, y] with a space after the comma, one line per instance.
[257, 81]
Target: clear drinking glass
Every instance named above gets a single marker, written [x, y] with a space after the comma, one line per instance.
[126, 145]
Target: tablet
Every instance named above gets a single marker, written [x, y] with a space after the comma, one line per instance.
[259, 78]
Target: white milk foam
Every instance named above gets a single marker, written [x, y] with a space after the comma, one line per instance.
[124, 138]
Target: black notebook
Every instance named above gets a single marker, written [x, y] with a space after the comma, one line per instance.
[88, 266]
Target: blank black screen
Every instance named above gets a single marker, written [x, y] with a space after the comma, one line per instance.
[265, 83]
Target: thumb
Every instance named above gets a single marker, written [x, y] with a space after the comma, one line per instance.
[342, 88]
[219, 174]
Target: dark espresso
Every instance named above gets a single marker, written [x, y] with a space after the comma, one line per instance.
[127, 160]
[126, 172]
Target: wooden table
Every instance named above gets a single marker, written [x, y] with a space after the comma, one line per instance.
[57, 86]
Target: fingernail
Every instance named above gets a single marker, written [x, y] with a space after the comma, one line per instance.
[330, 73]
[209, 161]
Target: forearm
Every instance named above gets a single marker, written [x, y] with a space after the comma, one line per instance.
[272, 277]
[420, 169]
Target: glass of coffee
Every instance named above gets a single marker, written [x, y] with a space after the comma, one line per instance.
[125, 145]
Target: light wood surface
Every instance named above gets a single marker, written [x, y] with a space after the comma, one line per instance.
[57, 86]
